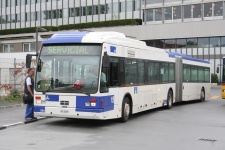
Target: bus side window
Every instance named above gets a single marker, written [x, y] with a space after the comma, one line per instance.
[114, 72]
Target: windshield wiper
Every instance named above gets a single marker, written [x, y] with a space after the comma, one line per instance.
[47, 89]
[50, 87]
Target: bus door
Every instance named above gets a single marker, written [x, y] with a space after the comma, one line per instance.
[179, 79]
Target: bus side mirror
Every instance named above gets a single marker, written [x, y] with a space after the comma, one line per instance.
[217, 70]
[28, 60]
[105, 61]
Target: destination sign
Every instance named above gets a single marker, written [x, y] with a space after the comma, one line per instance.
[71, 50]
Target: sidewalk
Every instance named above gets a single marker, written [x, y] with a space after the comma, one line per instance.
[13, 115]
[10, 115]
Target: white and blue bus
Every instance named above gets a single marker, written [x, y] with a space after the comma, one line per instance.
[138, 77]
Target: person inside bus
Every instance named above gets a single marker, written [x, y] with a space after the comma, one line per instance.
[29, 90]
[93, 73]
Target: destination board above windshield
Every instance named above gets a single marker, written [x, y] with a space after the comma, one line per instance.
[71, 50]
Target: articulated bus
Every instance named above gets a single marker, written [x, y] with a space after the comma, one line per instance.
[138, 77]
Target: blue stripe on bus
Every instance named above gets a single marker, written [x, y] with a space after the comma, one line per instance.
[108, 103]
[174, 54]
[39, 108]
[66, 37]
[52, 98]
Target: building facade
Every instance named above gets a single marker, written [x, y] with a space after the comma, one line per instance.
[192, 27]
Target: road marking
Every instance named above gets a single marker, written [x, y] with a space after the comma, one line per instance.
[214, 97]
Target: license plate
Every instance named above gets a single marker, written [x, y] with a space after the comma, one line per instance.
[64, 111]
[87, 104]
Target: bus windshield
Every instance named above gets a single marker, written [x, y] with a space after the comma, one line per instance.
[68, 69]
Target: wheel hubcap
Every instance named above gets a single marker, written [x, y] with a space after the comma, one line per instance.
[127, 110]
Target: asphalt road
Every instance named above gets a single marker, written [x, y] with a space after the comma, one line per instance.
[187, 126]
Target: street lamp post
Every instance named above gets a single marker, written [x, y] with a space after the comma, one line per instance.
[38, 29]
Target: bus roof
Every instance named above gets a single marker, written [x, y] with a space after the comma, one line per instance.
[87, 37]
[186, 57]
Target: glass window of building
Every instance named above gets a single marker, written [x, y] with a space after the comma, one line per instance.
[102, 9]
[77, 11]
[8, 3]
[109, 8]
[176, 12]
[71, 12]
[49, 12]
[158, 14]
[60, 13]
[181, 43]
[23, 2]
[115, 7]
[7, 48]
[89, 10]
[214, 42]
[23, 18]
[197, 11]
[17, 2]
[187, 11]
[3, 3]
[13, 3]
[149, 13]
[129, 6]
[203, 42]
[218, 9]
[159, 43]
[8, 18]
[32, 1]
[208, 10]
[27, 16]
[64, 13]
[54, 14]
[222, 41]
[28, 47]
[95, 10]
[17, 17]
[168, 13]
[13, 18]
[192, 43]
[33, 16]
[38, 15]
[84, 11]
[43, 15]
[4, 19]
[170, 43]
[136, 5]
[122, 6]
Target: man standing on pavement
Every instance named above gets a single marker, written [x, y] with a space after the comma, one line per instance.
[29, 90]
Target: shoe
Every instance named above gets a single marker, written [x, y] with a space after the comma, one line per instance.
[28, 119]
[33, 118]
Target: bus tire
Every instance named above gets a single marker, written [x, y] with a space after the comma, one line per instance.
[202, 95]
[125, 110]
[169, 100]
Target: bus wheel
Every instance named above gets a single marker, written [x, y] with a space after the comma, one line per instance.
[125, 110]
[202, 95]
[169, 100]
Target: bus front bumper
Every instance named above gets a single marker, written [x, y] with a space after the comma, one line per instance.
[41, 111]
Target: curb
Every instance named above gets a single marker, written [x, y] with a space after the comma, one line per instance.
[11, 106]
[21, 123]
